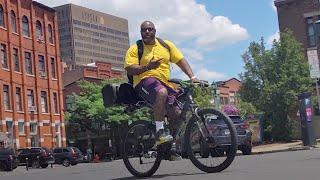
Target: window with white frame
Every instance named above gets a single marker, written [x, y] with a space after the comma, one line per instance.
[3, 56]
[21, 127]
[44, 102]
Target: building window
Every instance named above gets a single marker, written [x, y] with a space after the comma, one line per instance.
[33, 128]
[39, 30]
[16, 60]
[50, 31]
[55, 102]
[53, 68]
[1, 16]
[42, 66]
[9, 125]
[70, 101]
[44, 102]
[33, 133]
[6, 97]
[28, 62]
[3, 56]
[13, 21]
[30, 95]
[18, 99]
[21, 127]
[25, 26]
[311, 33]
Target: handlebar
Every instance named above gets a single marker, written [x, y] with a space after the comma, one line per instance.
[201, 83]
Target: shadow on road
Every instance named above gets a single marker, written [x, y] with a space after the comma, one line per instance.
[160, 176]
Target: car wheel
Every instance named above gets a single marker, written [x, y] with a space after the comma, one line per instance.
[45, 165]
[35, 164]
[204, 150]
[66, 163]
[246, 150]
[153, 155]
[217, 152]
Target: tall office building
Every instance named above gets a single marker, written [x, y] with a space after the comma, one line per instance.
[88, 36]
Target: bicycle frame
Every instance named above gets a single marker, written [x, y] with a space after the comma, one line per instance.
[190, 105]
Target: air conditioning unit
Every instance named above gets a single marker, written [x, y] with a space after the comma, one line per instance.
[32, 108]
[42, 74]
[40, 38]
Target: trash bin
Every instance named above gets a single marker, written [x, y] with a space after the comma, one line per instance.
[306, 117]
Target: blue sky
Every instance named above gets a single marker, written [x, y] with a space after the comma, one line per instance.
[212, 34]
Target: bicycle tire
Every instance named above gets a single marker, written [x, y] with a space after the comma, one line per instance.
[125, 157]
[233, 147]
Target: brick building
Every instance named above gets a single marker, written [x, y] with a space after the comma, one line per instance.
[30, 77]
[299, 16]
[228, 91]
[94, 72]
[88, 36]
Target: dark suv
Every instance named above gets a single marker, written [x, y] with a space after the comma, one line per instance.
[67, 156]
[8, 159]
[244, 135]
[218, 128]
[35, 157]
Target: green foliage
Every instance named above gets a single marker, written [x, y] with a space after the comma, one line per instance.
[202, 95]
[89, 110]
[273, 79]
[246, 109]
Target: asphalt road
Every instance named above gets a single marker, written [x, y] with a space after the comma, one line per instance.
[295, 165]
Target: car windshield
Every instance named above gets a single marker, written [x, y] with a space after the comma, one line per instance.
[236, 118]
[76, 149]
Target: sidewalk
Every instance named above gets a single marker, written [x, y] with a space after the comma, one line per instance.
[280, 147]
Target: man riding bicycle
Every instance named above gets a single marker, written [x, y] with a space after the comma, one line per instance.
[151, 74]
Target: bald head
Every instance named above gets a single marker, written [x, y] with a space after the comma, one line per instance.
[145, 24]
[148, 32]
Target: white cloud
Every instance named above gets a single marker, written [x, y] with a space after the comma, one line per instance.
[178, 20]
[273, 6]
[192, 54]
[201, 71]
[273, 37]
[209, 75]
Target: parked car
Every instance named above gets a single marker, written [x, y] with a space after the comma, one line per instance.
[217, 127]
[244, 134]
[67, 156]
[35, 157]
[8, 159]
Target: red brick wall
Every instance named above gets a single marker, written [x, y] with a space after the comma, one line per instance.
[49, 84]
[228, 89]
[290, 15]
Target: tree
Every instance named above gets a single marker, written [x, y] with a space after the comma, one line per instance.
[88, 106]
[273, 79]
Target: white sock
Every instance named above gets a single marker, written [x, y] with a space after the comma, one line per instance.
[159, 125]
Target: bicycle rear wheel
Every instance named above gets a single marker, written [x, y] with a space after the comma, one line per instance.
[216, 152]
[139, 151]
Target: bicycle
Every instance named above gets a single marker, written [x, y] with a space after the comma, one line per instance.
[206, 134]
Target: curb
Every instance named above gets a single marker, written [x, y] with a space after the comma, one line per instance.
[284, 150]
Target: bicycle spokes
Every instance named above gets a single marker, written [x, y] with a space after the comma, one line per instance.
[139, 148]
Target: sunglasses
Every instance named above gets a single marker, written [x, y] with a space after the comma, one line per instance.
[147, 29]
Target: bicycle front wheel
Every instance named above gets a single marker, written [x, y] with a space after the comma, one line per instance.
[139, 153]
[216, 151]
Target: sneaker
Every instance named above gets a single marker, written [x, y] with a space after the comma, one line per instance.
[163, 137]
[174, 157]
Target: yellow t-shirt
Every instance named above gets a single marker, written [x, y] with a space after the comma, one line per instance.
[157, 51]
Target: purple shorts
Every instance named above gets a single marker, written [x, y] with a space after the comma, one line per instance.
[148, 89]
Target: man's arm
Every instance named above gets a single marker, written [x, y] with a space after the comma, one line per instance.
[136, 69]
[185, 67]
